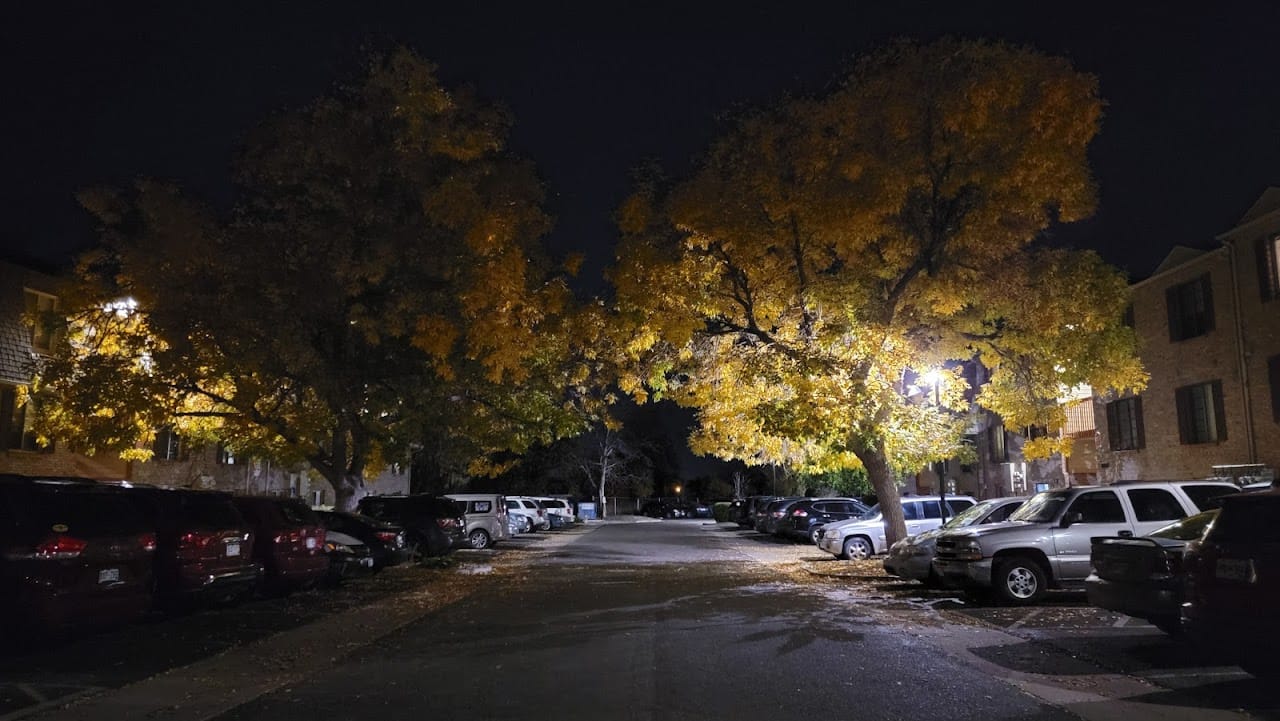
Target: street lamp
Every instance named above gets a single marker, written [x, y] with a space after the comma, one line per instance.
[934, 377]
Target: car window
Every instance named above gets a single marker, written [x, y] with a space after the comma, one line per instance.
[1252, 523]
[1154, 504]
[481, 506]
[967, 517]
[931, 509]
[89, 514]
[958, 504]
[212, 512]
[911, 511]
[1207, 497]
[1098, 507]
[298, 514]
[1001, 514]
[1042, 508]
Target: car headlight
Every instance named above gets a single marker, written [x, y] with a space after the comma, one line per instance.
[968, 549]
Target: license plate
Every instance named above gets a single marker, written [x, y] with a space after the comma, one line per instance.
[109, 575]
[1233, 569]
[311, 543]
[233, 549]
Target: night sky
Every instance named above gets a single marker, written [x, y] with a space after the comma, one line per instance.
[100, 93]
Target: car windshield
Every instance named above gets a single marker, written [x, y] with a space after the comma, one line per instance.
[1188, 529]
[872, 513]
[1257, 522]
[969, 516]
[1042, 507]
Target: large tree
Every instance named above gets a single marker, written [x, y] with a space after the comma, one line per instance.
[827, 251]
[380, 285]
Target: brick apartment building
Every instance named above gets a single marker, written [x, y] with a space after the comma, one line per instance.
[1209, 329]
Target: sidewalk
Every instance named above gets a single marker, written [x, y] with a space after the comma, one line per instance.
[215, 685]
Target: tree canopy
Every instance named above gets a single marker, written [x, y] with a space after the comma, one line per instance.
[828, 251]
[380, 284]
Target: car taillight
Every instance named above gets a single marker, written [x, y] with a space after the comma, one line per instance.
[447, 522]
[290, 537]
[191, 541]
[800, 513]
[147, 541]
[60, 547]
[386, 536]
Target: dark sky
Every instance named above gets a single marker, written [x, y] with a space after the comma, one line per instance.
[102, 92]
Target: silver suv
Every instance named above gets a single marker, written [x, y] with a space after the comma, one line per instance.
[1046, 543]
[863, 537]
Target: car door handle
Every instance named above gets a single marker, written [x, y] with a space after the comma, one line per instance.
[1126, 534]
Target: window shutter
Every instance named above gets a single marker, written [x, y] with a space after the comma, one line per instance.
[1113, 424]
[1273, 371]
[1219, 412]
[1141, 440]
[1182, 396]
[1173, 302]
[1206, 287]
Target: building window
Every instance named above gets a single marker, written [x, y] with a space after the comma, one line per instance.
[39, 306]
[168, 446]
[226, 456]
[1200, 413]
[1269, 267]
[1127, 316]
[1273, 373]
[996, 441]
[1190, 308]
[1124, 424]
[16, 422]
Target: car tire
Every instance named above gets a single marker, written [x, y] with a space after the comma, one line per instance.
[527, 526]
[479, 539]
[857, 548]
[1019, 580]
[813, 535]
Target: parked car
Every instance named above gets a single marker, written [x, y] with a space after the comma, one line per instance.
[768, 521]
[1143, 577]
[486, 518]
[557, 507]
[518, 521]
[433, 525]
[805, 517]
[1233, 583]
[753, 508]
[204, 545]
[533, 508]
[1046, 543]
[386, 541]
[863, 537]
[72, 554]
[912, 557]
[349, 557]
[288, 541]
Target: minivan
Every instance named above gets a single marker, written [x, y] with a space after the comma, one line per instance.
[288, 541]
[486, 517]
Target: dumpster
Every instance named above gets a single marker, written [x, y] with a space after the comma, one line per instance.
[587, 511]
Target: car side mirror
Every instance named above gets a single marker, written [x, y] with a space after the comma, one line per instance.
[1070, 518]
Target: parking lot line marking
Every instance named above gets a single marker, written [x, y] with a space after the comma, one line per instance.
[1030, 615]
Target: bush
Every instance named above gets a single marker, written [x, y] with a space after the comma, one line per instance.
[720, 511]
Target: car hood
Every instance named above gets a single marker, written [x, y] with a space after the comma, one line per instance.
[986, 529]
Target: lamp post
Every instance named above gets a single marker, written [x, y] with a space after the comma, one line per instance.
[934, 378]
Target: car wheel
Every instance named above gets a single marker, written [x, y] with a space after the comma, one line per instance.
[857, 548]
[479, 538]
[813, 535]
[527, 526]
[1019, 579]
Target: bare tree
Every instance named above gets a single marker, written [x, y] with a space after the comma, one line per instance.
[609, 458]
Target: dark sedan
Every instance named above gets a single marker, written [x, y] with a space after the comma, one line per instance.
[1143, 577]
[386, 541]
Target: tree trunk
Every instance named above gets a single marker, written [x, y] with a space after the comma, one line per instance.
[346, 491]
[877, 464]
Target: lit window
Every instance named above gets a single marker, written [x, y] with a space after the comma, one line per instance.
[1124, 424]
[1200, 413]
[39, 308]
